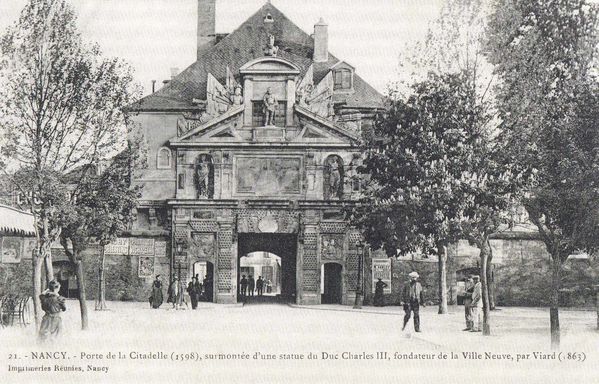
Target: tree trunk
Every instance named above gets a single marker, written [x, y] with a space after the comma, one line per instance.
[77, 262]
[48, 267]
[484, 258]
[37, 288]
[556, 267]
[491, 278]
[442, 252]
[101, 300]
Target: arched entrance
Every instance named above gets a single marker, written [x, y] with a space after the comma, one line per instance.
[204, 270]
[281, 251]
[331, 289]
[65, 274]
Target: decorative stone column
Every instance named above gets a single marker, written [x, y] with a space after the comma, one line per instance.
[226, 271]
[309, 283]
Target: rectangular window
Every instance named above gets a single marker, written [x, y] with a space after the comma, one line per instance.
[343, 79]
[181, 181]
[258, 113]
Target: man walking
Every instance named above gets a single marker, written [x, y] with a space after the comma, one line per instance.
[477, 304]
[194, 290]
[468, 303]
[412, 300]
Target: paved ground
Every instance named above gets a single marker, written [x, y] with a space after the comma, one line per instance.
[281, 337]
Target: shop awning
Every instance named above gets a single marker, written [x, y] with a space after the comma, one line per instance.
[15, 222]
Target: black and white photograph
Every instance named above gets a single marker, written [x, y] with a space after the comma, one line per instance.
[284, 191]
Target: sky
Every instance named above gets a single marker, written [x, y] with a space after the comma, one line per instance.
[157, 35]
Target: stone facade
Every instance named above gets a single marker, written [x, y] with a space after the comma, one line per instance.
[255, 148]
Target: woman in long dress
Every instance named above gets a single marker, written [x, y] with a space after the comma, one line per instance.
[156, 298]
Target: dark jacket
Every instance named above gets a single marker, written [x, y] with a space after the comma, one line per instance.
[412, 287]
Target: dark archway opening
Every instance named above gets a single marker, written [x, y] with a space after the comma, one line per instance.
[283, 247]
[332, 290]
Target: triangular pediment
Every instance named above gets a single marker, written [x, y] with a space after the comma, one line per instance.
[316, 129]
[221, 128]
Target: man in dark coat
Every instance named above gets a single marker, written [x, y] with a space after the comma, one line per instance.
[244, 286]
[378, 293]
[207, 286]
[251, 285]
[260, 285]
[156, 298]
[412, 300]
[194, 290]
[175, 291]
[52, 304]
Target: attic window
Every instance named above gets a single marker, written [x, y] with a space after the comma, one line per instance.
[268, 18]
[343, 79]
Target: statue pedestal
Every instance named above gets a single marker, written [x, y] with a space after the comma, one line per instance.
[269, 133]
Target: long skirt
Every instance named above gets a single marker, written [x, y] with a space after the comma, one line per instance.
[51, 326]
[156, 298]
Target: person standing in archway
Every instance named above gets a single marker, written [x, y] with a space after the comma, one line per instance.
[251, 285]
[194, 290]
[244, 286]
[260, 286]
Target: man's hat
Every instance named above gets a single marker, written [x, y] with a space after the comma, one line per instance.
[414, 274]
[53, 284]
[476, 277]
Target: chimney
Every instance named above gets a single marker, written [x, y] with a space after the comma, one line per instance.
[206, 25]
[174, 72]
[321, 42]
[153, 86]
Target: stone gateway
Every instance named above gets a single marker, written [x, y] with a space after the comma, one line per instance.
[264, 143]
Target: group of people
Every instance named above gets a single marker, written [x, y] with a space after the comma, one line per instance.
[248, 286]
[176, 292]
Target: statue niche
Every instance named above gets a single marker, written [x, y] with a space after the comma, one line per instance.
[334, 175]
[204, 177]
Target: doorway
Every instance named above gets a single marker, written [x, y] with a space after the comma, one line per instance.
[331, 283]
[273, 257]
[205, 272]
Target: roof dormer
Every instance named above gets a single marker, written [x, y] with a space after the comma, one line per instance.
[343, 77]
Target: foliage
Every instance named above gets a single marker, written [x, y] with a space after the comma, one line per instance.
[61, 114]
[545, 53]
[433, 169]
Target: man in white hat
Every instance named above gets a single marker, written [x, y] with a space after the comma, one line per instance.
[477, 304]
[412, 300]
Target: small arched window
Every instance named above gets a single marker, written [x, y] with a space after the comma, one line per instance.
[164, 158]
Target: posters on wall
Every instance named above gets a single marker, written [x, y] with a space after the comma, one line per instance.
[141, 247]
[11, 249]
[381, 268]
[119, 246]
[146, 266]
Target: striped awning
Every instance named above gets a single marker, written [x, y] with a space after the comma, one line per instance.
[16, 222]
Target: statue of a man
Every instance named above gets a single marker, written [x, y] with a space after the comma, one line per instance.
[202, 179]
[271, 48]
[270, 108]
[236, 97]
[334, 178]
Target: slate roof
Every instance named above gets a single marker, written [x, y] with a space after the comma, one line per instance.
[244, 44]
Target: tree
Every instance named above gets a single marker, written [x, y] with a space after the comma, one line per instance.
[60, 108]
[101, 209]
[545, 54]
[453, 45]
[436, 176]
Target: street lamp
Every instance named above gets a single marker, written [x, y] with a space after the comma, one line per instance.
[360, 286]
